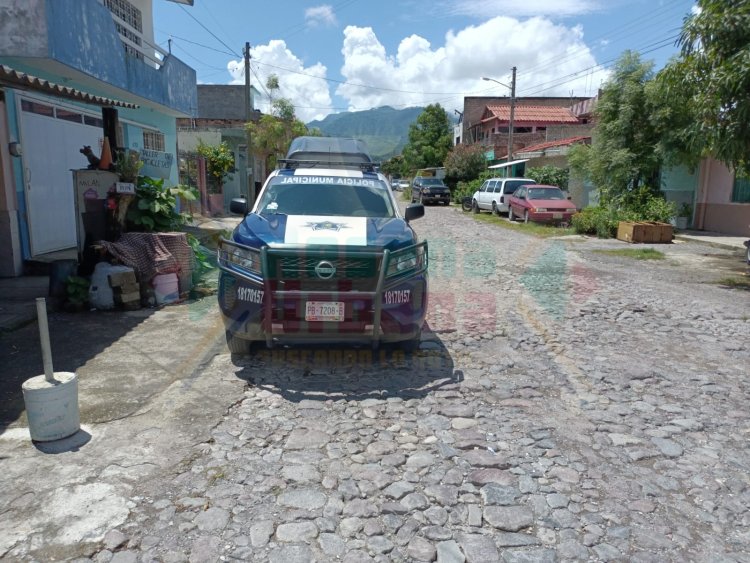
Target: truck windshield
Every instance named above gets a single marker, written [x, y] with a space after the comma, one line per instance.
[336, 196]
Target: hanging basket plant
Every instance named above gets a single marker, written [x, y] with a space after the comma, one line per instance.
[219, 164]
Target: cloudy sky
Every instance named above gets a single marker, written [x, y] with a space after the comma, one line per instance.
[358, 54]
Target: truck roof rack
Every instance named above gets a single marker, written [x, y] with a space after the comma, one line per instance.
[330, 162]
[333, 149]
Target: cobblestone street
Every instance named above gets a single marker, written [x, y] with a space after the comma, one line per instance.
[565, 405]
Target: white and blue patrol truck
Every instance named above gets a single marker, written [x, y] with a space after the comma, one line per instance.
[324, 255]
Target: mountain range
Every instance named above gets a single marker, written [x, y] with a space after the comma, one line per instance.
[384, 129]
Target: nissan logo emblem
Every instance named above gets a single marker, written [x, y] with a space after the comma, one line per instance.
[325, 270]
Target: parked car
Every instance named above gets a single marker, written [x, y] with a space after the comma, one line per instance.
[493, 194]
[429, 190]
[541, 204]
[399, 185]
[323, 255]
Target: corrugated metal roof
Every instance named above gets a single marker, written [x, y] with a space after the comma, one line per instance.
[530, 114]
[16, 79]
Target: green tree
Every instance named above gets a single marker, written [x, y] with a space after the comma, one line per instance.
[550, 175]
[219, 163]
[464, 163]
[429, 139]
[272, 134]
[395, 166]
[621, 157]
[711, 78]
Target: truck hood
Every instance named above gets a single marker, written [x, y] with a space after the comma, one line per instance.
[278, 230]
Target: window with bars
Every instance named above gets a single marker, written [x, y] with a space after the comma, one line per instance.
[741, 189]
[126, 12]
[153, 140]
[133, 17]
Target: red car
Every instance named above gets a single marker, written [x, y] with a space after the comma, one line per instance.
[541, 204]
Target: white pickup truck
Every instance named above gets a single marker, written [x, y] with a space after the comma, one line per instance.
[493, 194]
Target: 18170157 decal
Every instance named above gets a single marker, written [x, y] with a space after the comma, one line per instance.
[397, 296]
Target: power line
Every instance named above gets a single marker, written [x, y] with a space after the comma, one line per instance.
[653, 18]
[605, 65]
[196, 20]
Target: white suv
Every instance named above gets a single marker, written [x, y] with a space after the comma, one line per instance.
[493, 194]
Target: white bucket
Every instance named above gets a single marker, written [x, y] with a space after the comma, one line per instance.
[52, 407]
[166, 288]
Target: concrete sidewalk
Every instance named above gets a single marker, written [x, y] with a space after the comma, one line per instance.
[712, 239]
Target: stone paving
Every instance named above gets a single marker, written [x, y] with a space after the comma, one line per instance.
[564, 406]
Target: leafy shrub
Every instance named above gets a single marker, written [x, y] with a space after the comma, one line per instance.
[464, 189]
[154, 208]
[642, 204]
[550, 175]
[77, 290]
[219, 164]
[599, 221]
[645, 204]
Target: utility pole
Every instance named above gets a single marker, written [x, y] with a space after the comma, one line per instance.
[248, 113]
[512, 112]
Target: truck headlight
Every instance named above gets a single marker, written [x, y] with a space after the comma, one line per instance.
[242, 258]
[406, 261]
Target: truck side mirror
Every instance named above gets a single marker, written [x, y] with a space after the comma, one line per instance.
[238, 206]
[414, 211]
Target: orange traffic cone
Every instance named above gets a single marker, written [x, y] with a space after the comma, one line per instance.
[106, 160]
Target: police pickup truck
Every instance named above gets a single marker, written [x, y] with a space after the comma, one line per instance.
[324, 255]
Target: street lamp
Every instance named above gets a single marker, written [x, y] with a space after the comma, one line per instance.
[512, 110]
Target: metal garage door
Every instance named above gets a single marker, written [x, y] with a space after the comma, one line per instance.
[52, 136]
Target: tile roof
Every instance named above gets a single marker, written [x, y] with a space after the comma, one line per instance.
[550, 144]
[530, 114]
[22, 80]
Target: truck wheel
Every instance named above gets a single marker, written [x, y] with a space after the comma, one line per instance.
[511, 217]
[237, 345]
[494, 209]
[411, 345]
[475, 206]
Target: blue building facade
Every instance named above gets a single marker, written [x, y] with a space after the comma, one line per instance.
[103, 51]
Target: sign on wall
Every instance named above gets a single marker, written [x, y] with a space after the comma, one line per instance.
[156, 164]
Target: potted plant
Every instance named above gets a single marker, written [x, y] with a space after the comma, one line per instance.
[683, 216]
[219, 164]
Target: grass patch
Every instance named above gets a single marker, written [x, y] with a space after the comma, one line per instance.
[536, 229]
[735, 283]
[637, 253]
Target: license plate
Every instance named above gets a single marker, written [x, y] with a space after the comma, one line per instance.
[324, 311]
[557, 215]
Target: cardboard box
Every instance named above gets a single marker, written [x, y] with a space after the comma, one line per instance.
[128, 297]
[122, 278]
[646, 231]
[127, 288]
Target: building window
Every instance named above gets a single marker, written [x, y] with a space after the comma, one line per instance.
[741, 189]
[66, 115]
[132, 16]
[126, 12]
[153, 140]
[36, 107]
[93, 121]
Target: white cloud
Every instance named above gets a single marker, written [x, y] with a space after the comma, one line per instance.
[298, 83]
[485, 9]
[320, 15]
[542, 51]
